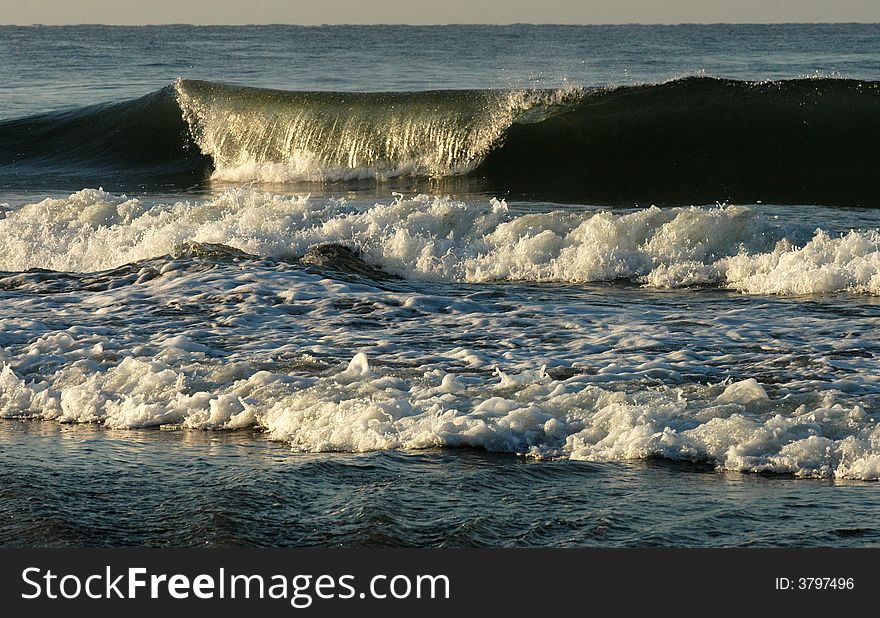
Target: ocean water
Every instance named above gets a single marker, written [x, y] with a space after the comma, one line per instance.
[440, 286]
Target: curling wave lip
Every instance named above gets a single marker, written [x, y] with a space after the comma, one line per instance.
[691, 140]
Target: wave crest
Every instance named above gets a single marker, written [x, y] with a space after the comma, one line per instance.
[693, 140]
[279, 136]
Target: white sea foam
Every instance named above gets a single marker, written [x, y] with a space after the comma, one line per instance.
[734, 426]
[329, 364]
[447, 240]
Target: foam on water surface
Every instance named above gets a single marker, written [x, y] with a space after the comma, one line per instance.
[441, 239]
[199, 314]
[734, 426]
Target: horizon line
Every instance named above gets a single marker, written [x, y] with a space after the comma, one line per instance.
[450, 24]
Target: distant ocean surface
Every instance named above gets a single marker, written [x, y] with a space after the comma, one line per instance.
[440, 286]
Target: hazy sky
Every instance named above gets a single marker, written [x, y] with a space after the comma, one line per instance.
[433, 11]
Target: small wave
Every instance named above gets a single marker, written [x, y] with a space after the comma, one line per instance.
[442, 239]
[735, 426]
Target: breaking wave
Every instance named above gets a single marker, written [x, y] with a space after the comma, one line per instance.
[443, 239]
[693, 140]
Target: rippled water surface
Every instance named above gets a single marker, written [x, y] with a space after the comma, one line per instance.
[193, 488]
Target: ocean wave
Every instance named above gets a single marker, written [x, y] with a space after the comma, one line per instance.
[277, 136]
[692, 140]
[732, 425]
[442, 239]
[141, 139]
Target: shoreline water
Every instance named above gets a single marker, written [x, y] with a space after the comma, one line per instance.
[68, 485]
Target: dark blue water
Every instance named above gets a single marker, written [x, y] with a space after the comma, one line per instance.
[298, 315]
[147, 488]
